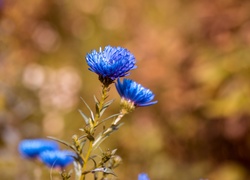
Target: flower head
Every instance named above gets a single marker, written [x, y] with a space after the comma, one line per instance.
[31, 148]
[143, 176]
[111, 63]
[57, 158]
[134, 93]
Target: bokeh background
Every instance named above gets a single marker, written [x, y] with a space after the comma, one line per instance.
[194, 55]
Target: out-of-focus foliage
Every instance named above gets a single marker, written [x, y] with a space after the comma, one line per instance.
[194, 55]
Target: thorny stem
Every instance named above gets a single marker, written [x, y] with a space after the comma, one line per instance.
[104, 95]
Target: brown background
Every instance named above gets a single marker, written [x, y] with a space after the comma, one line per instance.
[194, 55]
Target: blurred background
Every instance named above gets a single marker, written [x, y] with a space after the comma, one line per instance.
[194, 55]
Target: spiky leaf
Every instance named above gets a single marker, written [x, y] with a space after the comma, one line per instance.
[86, 119]
[114, 115]
[91, 112]
[63, 142]
[104, 170]
[105, 106]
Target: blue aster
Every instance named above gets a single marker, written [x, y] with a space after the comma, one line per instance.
[111, 63]
[143, 176]
[135, 93]
[57, 158]
[31, 148]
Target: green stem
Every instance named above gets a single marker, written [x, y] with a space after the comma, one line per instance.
[86, 160]
[122, 113]
[108, 131]
[104, 95]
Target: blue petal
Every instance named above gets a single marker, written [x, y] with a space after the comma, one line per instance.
[31, 148]
[57, 158]
[135, 92]
[112, 62]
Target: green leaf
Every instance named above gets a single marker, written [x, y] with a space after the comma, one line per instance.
[83, 136]
[86, 119]
[78, 158]
[113, 151]
[96, 100]
[91, 112]
[97, 109]
[114, 115]
[93, 159]
[104, 135]
[104, 170]
[109, 102]
[105, 106]
[98, 141]
[97, 106]
[63, 142]
[83, 142]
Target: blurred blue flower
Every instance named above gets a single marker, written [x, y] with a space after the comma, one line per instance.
[143, 176]
[135, 93]
[111, 63]
[31, 148]
[57, 158]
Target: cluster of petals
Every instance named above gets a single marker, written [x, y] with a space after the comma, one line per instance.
[46, 151]
[111, 63]
[134, 92]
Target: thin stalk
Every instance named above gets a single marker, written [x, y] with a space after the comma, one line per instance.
[104, 96]
[110, 129]
[119, 117]
[85, 158]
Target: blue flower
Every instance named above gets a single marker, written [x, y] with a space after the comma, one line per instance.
[111, 63]
[31, 148]
[143, 176]
[57, 158]
[135, 93]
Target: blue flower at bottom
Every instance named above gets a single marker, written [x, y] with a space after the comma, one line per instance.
[135, 93]
[57, 158]
[31, 148]
[111, 63]
[143, 176]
